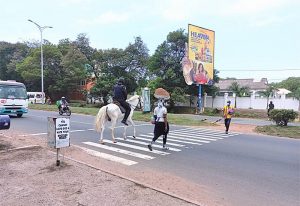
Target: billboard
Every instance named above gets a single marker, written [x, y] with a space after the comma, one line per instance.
[198, 63]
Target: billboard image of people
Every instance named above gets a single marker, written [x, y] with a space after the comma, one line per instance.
[198, 63]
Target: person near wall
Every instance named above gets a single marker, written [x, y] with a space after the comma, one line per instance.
[271, 106]
[161, 125]
[227, 114]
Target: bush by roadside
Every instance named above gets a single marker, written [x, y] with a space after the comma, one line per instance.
[282, 116]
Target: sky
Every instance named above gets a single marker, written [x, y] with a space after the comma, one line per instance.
[253, 39]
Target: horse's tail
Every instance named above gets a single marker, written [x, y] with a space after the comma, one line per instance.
[100, 118]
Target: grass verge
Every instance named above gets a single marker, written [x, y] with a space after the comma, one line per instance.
[289, 131]
[137, 115]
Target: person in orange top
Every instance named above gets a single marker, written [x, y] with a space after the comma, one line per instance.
[227, 114]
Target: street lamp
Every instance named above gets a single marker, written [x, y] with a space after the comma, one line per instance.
[41, 28]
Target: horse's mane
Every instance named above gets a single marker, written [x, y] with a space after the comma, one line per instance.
[133, 98]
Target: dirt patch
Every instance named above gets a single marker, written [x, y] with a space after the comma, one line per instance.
[30, 177]
[240, 128]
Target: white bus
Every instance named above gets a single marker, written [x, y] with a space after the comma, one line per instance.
[36, 97]
[13, 98]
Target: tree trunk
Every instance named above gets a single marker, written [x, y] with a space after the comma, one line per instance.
[235, 101]
[267, 102]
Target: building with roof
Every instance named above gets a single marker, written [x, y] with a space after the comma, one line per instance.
[254, 86]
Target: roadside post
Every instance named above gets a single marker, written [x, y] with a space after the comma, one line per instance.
[4, 122]
[58, 135]
[146, 99]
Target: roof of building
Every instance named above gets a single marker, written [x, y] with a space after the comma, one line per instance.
[253, 85]
[282, 91]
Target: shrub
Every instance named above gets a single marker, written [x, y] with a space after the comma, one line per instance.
[283, 116]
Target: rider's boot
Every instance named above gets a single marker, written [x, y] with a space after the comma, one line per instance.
[124, 122]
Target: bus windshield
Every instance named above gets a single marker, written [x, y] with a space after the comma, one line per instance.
[12, 92]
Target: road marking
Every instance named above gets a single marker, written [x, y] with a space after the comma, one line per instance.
[174, 140]
[205, 137]
[134, 154]
[148, 140]
[193, 140]
[193, 136]
[202, 133]
[144, 143]
[200, 129]
[108, 156]
[141, 148]
[36, 134]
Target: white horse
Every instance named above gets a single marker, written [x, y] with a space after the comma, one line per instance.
[113, 112]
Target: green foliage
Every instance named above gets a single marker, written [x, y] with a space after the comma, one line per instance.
[268, 93]
[283, 116]
[291, 83]
[238, 90]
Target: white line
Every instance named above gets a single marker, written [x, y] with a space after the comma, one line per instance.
[174, 140]
[205, 133]
[149, 139]
[36, 134]
[134, 154]
[193, 140]
[144, 143]
[192, 136]
[108, 156]
[198, 136]
[211, 130]
[141, 148]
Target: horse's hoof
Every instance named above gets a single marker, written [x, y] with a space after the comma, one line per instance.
[133, 136]
[101, 142]
[114, 141]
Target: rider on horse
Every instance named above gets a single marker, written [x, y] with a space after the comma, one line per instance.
[120, 95]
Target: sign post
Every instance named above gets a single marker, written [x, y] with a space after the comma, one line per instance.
[58, 134]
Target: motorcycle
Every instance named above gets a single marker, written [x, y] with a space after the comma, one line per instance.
[65, 109]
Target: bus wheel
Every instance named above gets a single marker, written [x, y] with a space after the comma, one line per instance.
[19, 115]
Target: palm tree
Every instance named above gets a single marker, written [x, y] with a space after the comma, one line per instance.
[238, 90]
[268, 92]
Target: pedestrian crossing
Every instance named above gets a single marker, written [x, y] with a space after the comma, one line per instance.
[134, 150]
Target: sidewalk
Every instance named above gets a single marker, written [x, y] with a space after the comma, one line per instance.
[29, 176]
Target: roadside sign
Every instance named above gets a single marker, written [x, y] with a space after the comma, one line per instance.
[58, 132]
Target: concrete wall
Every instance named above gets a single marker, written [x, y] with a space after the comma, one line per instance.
[246, 102]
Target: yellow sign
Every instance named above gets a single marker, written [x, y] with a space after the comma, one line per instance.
[198, 64]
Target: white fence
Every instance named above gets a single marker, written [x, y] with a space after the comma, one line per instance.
[245, 102]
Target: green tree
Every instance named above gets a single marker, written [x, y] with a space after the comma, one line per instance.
[165, 64]
[268, 92]
[10, 56]
[238, 90]
[296, 94]
[213, 92]
[61, 73]
[291, 83]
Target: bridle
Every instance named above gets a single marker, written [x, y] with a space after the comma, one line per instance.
[138, 106]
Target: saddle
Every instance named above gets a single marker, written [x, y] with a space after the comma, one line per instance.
[123, 110]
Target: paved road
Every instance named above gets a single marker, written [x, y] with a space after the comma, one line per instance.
[242, 169]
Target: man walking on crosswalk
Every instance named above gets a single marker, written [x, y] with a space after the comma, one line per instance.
[161, 124]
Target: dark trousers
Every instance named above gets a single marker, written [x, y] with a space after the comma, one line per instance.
[159, 130]
[227, 123]
[126, 107]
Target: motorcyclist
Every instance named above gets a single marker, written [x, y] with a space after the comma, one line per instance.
[62, 103]
[120, 95]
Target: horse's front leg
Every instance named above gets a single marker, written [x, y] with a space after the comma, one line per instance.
[113, 124]
[131, 122]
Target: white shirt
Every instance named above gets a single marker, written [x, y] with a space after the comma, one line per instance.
[159, 112]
